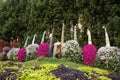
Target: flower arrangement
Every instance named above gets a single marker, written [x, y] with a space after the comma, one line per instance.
[89, 54]
[72, 51]
[71, 46]
[13, 45]
[6, 49]
[21, 55]
[31, 52]
[31, 49]
[2, 43]
[108, 58]
[13, 53]
[4, 53]
[43, 49]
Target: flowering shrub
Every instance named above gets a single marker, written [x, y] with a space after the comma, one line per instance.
[71, 46]
[13, 53]
[6, 49]
[108, 58]
[33, 48]
[21, 55]
[2, 43]
[43, 49]
[4, 53]
[31, 51]
[13, 45]
[89, 54]
[71, 50]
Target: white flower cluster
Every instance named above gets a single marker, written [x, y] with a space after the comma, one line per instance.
[107, 52]
[12, 53]
[70, 46]
[108, 57]
[30, 49]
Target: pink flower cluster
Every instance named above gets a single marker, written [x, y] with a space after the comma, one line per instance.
[43, 49]
[89, 54]
[21, 54]
[6, 49]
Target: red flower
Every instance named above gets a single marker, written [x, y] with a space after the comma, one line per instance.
[2, 43]
[13, 44]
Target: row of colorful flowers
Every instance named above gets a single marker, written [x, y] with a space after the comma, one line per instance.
[88, 54]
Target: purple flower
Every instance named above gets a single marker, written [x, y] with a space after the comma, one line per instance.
[6, 49]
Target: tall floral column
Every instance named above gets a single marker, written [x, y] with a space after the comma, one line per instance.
[31, 50]
[22, 51]
[89, 51]
[108, 56]
[43, 48]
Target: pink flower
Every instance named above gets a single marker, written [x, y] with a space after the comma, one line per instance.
[21, 54]
[6, 49]
[89, 54]
[43, 49]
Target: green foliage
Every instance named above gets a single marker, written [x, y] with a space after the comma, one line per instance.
[76, 57]
[39, 72]
[95, 73]
[44, 60]
[42, 71]
[31, 56]
[27, 17]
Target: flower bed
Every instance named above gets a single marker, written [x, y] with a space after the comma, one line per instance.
[13, 71]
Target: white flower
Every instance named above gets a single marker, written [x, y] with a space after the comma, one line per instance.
[31, 49]
[108, 54]
[102, 57]
[70, 46]
[13, 52]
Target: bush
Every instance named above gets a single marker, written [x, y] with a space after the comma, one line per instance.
[13, 53]
[31, 56]
[31, 52]
[72, 51]
[108, 58]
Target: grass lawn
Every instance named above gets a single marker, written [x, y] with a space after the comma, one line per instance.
[44, 60]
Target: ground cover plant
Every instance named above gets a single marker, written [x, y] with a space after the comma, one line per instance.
[52, 69]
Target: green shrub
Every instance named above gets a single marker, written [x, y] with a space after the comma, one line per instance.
[76, 57]
[31, 56]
